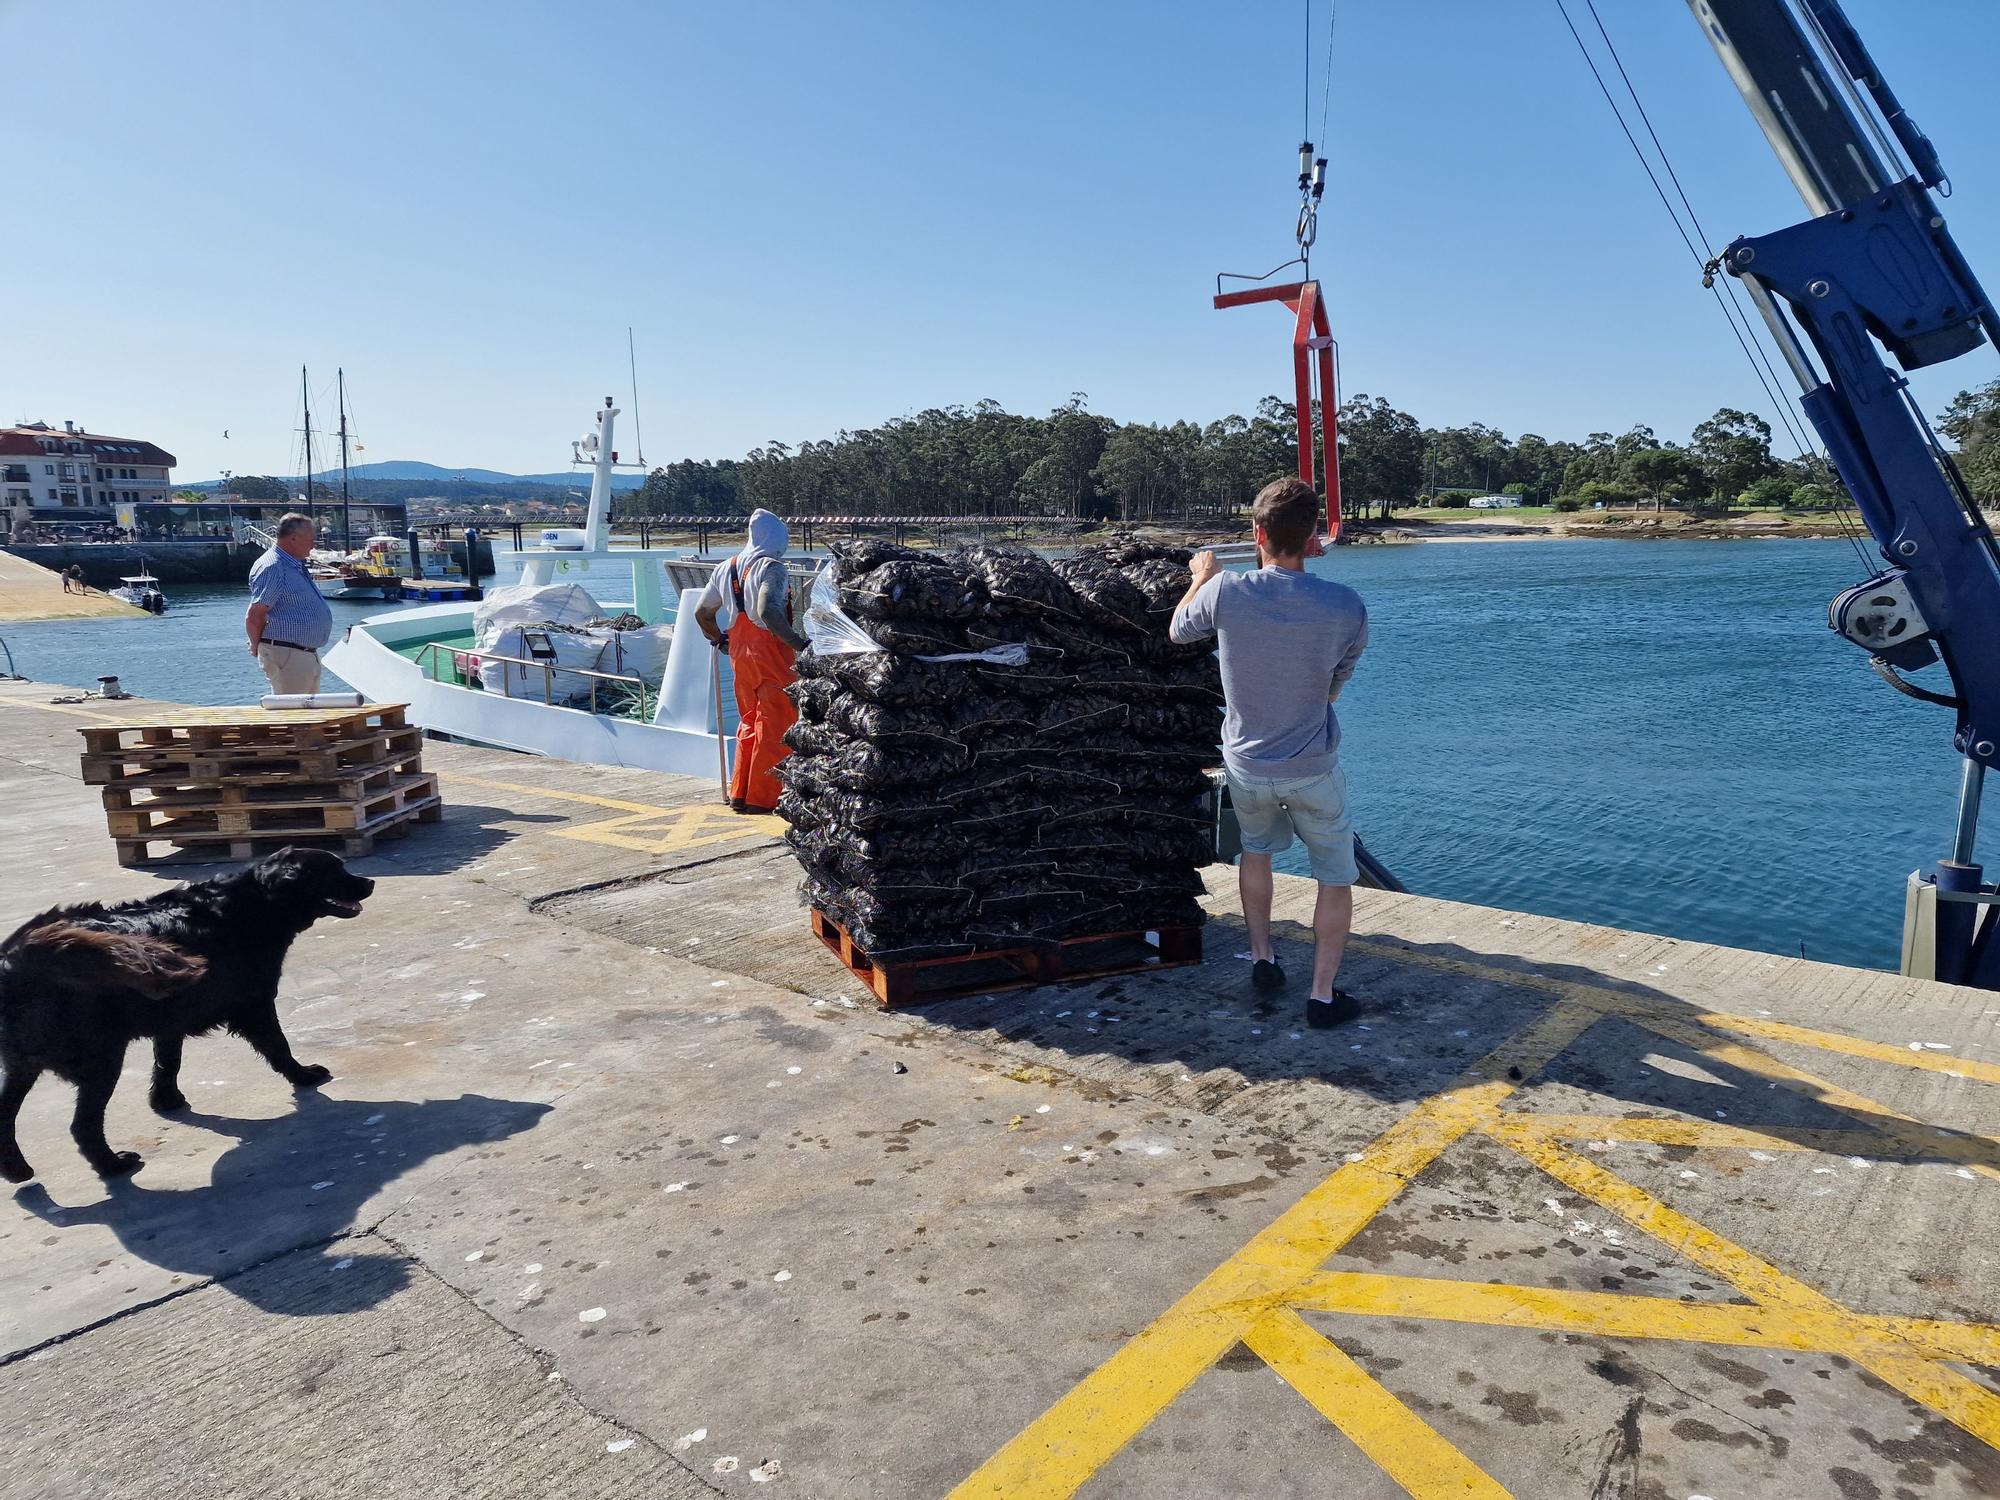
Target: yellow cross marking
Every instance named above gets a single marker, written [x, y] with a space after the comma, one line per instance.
[645, 826]
[1406, 1448]
[665, 832]
[1257, 1295]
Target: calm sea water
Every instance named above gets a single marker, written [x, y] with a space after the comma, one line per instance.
[1654, 735]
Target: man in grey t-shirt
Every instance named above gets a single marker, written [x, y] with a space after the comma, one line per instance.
[1288, 642]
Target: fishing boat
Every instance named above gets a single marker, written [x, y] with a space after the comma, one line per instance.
[142, 590]
[374, 570]
[539, 697]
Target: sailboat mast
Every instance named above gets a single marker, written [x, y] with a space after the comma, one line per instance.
[346, 515]
[305, 406]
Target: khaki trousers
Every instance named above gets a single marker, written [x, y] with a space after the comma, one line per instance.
[289, 671]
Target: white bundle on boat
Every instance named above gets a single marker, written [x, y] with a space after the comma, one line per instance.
[504, 620]
[533, 605]
[576, 629]
[640, 653]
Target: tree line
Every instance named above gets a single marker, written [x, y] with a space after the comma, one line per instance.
[1076, 464]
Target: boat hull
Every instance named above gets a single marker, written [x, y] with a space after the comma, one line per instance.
[150, 600]
[681, 740]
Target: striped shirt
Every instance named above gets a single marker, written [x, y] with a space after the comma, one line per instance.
[298, 613]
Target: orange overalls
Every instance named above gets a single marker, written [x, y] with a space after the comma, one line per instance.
[763, 665]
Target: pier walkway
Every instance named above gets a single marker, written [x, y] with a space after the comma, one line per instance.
[623, 1188]
[29, 591]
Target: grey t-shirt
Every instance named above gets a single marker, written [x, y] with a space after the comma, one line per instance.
[1287, 641]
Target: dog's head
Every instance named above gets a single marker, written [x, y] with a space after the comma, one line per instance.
[310, 883]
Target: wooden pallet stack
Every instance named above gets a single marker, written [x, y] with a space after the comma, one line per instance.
[206, 785]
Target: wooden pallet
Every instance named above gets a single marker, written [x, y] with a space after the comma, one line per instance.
[265, 808]
[362, 781]
[278, 731]
[221, 848]
[1097, 956]
[180, 766]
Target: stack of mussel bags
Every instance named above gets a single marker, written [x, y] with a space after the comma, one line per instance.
[942, 807]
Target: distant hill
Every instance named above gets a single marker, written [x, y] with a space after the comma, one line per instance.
[410, 470]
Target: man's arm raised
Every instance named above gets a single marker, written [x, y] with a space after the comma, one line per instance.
[1194, 616]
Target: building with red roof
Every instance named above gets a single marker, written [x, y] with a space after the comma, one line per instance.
[63, 475]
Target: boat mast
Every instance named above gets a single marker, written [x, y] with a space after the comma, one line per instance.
[597, 521]
[305, 406]
[346, 516]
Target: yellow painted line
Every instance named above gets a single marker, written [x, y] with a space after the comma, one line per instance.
[1749, 1274]
[645, 826]
[1955, 1397]
[1637, 1007]
[1622, 1316]
[1833, 1041]
[1404, 1446]
[1884, 1144]
[557, 794]
[1249, 1296]
[1951, 1395]
[1058, 1451]
[669, 832]
[1871, 1112]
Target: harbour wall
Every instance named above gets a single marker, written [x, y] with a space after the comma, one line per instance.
[217, 561]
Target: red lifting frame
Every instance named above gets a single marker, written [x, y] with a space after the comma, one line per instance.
[1310, 335]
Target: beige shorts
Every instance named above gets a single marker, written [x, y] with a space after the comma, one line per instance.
[289, 671]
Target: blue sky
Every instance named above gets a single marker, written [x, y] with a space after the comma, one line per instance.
[819, 216]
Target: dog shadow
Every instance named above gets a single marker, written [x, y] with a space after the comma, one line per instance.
[292, 1183]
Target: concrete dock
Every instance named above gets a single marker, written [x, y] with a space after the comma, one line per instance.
[29, 591]
[623, 1187]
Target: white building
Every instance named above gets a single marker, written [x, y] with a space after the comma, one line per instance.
[69, 476]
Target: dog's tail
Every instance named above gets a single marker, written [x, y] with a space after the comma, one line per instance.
[67, 952]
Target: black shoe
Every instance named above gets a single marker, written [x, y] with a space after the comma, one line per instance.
[1265, 975]
[737, 804]
[1321, 1014]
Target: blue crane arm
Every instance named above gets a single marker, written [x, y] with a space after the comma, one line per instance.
[1875, 269]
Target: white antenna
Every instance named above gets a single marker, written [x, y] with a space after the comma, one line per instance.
[632, 356]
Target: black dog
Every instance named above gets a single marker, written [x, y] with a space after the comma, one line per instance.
[79, 983]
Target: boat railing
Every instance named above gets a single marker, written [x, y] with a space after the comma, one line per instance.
[694, 573]
[427, 662]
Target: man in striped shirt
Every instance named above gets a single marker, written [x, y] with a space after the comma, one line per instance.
[288, 622]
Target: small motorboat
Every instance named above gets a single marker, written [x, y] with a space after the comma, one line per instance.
[142, 590]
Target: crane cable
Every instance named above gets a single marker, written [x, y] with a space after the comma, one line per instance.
[1326, 71]
[1312, 170]
[1732, 311]
[1701, 233]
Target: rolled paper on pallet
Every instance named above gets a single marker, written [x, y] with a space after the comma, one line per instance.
[311, 700]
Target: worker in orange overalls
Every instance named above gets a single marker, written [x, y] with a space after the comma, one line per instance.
[746, 613]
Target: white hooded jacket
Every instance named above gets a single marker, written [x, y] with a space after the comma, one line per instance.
[759, 571]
